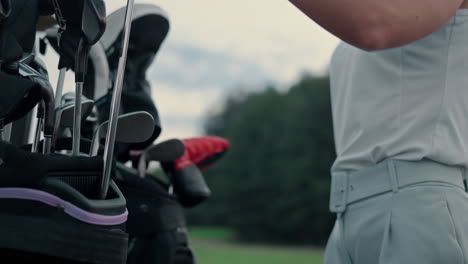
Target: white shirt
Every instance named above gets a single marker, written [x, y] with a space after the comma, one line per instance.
[405, 103]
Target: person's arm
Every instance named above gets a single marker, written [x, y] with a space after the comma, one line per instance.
[379, 24]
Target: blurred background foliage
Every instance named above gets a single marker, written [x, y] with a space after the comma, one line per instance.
[272, 186]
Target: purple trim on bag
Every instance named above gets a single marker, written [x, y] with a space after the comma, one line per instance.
[69, 208]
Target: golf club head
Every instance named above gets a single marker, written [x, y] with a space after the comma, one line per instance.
[93, 20]
[131, 128]
[64, 113]
[165, 151]
[189, 184]
[168, 150]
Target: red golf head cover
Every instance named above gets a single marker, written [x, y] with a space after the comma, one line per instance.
[202, 152]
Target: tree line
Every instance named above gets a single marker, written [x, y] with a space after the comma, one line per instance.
[273, 183]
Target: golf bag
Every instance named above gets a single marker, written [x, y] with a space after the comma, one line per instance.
[49, 205]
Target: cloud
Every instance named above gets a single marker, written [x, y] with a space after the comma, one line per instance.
[193, 68]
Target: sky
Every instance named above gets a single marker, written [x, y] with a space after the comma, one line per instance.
[215, 48]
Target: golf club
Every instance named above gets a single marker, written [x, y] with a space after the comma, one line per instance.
[8, 132]
[64, 116]
[2, 129]
[165, 151]
[60, 84]
[126, 130]
[92, 27]
[47, 95]
[111, 132]
[40, 122]
[54, 34]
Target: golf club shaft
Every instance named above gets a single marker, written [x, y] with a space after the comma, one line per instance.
[111, 132]
[95, 143]
[77, 120]
[142, 165]
[59, 90]
[37, 136]
[2, 129]
[47, 144]
[7, 134]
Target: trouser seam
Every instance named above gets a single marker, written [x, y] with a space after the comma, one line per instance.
[342, 240]
[457, 237]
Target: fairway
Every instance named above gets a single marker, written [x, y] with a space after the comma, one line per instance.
[214, 246]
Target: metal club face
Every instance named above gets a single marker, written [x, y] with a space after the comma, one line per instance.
[165, 151]
[168, 150]
[64, 115]
[133, 127]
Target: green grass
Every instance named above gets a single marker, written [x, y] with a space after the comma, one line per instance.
[214, 246]
[212, 233]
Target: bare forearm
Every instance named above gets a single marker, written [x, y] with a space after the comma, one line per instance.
[376, 24]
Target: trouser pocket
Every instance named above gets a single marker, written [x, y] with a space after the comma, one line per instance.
[420, 229]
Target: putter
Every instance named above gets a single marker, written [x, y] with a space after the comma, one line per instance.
[133, 127]
[92, 27]
[64, 116]
[115, 105]
[165, 151]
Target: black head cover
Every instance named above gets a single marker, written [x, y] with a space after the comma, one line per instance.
[18, 25]
[17, 97]
[5, 9]
[93, 22]
[85, 19]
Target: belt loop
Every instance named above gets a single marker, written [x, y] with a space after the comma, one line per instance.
[339, 192]
[465, 178]
[393, 175]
